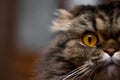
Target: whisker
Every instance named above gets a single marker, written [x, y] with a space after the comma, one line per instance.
[82, 70]
[74, 72]
[79, 68]
[91, 73]
[82, 75]
[90, 70]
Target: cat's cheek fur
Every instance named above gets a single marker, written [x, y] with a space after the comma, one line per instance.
[104, 56]
[116, 58]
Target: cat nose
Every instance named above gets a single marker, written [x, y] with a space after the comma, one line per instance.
[110, 51]
[111, 46]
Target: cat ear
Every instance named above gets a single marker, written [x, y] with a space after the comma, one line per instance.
[63, 21]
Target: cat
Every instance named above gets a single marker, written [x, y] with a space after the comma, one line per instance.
[87, 46]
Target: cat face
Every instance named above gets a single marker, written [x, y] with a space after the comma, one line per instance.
[90, 42]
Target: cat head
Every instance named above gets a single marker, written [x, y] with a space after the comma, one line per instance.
[89, 36]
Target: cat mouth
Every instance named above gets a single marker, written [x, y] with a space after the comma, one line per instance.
[108, 63]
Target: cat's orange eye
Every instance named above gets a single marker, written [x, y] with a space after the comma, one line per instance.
[90, 39]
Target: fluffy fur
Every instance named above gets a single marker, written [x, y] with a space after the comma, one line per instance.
[69, 58]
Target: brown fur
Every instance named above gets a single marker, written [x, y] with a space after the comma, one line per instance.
[68, 52]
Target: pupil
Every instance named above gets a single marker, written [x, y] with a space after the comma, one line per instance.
[90, 39]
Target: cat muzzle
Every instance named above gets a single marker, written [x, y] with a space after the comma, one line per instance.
[114, 59]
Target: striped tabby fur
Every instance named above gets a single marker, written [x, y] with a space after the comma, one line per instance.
[69, 59]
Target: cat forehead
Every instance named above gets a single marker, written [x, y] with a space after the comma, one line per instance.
[108, 25]
[100, 21]
[104, 18]
[107, 19]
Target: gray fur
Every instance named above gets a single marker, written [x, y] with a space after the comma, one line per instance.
[68, 58]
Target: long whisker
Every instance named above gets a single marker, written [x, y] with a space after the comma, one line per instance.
[82, 74]
[79, 68]
[91, 73]
[75, 71]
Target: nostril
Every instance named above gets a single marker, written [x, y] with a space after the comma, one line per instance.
[110, 51]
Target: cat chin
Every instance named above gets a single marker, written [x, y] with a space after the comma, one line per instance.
[110, 72]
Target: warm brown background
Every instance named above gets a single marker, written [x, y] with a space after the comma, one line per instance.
[15, 63]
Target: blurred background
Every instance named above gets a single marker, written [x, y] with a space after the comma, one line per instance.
[25, 33]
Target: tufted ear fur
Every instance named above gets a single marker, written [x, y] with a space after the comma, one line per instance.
[63, 20]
